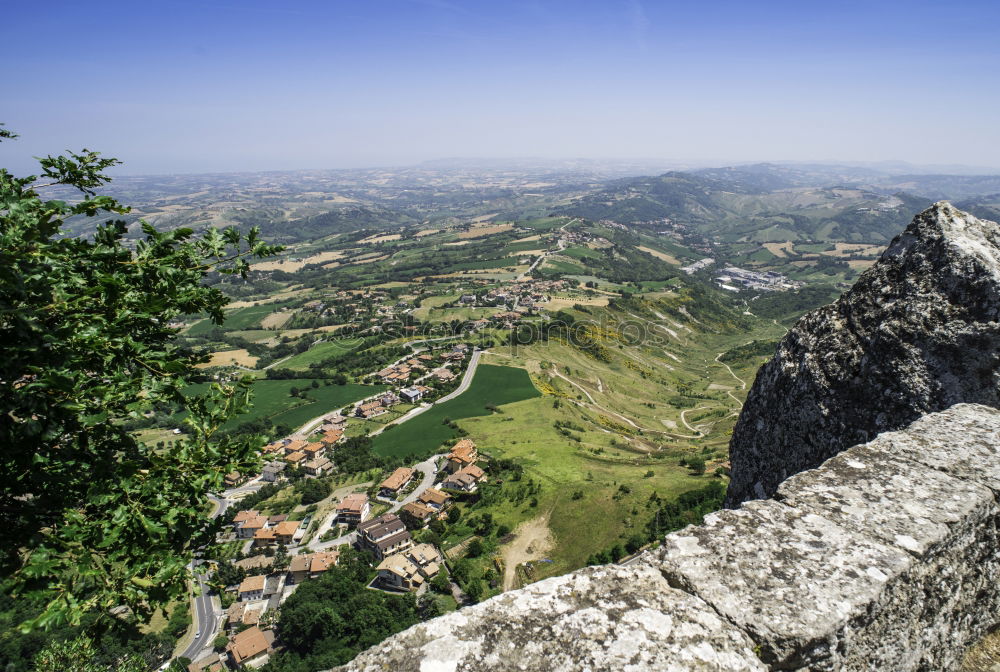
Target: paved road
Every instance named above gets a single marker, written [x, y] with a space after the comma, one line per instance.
[467, 377]
[206, 614]
[560, 245]
[429, 469]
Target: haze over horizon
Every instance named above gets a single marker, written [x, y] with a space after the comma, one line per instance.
[186, 87]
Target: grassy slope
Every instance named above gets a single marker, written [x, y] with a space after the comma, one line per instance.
[319, 352]
[525, 433]
[607, 456]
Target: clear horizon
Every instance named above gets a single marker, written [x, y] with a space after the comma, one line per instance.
[184, 87]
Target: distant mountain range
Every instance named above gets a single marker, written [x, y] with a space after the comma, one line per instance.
[769, 202]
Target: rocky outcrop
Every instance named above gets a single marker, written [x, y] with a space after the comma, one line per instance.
[918, 332]
[884, 558]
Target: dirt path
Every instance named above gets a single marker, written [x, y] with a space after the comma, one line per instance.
[743, 383]
[533, 540]
[576, 385]
[597, 405]
[684, 421]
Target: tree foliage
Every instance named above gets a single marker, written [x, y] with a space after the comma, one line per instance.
[328, 620]
[314, 491]
[93, 518]
[78, 655]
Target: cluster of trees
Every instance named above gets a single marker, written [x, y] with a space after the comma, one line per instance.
[354, 455]
[335, 378]
[329, 620]
[313, 490]
[786, 306]
[363, 359]
[745, 354]
[689, 508]
[110, 645]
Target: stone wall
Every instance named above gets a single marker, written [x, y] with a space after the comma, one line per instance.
[886, 557]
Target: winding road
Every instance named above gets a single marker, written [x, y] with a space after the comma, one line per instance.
[470, 371]
[560, 246]
[206, 614]
[743, 383]
[429, 470]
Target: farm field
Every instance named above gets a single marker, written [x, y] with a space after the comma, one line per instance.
[495, 385]
[660, 255]
[229, 357]
[319, 352]
[292, 265]
[250, 317]
[272, 400]
[561, 265]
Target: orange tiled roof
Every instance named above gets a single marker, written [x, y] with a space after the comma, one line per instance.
[398, 479]
[353, 502]
[463, 451]
[264, 534]
[286, 528]
[472, 470]
[245, 515]
[252, 584]
[434, 495]
[247, 644]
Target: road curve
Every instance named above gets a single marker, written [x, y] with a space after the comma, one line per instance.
[467, 377]
[429, 470]
[206, 618]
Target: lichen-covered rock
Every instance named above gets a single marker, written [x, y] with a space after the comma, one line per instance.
[795, 582]
[918, 332]
[963, 441]
[925, 490]
[871, 490]
[621, 619]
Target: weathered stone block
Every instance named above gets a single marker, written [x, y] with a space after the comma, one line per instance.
[963, 441]
[798, 584]
[620, 619]
[948, 524]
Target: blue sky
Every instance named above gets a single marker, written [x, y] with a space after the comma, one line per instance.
[248, 85]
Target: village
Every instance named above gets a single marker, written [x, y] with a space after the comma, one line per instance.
[410, 500]
[278, 553]
[369, 310]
